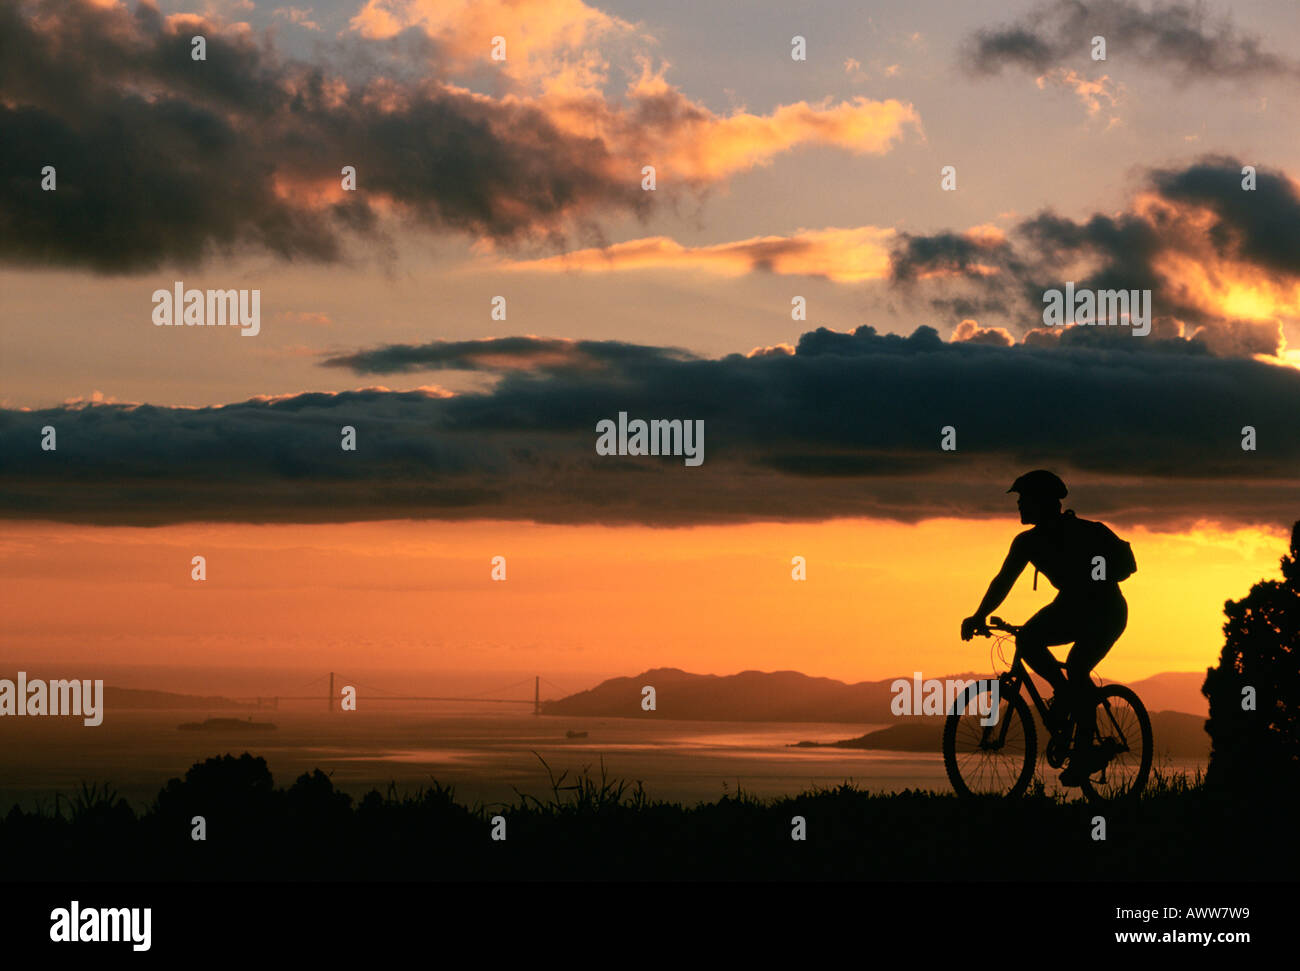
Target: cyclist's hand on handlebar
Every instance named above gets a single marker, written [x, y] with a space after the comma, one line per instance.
[972, 626]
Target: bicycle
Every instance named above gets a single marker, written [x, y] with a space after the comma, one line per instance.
[999, 758]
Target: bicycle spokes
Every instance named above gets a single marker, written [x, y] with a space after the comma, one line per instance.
[1123, 741]
[994, 758]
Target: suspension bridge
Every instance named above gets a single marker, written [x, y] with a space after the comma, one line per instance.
[332, 696]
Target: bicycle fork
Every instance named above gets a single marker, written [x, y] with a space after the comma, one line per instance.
[993, 724]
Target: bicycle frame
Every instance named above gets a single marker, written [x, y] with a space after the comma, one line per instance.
[1017, 677]
[1010, 684]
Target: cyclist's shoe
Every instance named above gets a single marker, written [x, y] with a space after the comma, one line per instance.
[1074, 774]
[1083, 764]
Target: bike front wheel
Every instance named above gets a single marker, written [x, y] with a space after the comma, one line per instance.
[1124, 732]
[995, 759]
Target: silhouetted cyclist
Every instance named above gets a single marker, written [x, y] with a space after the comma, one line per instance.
[1085, 561]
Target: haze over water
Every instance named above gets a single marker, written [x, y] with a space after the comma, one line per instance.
[485, 753]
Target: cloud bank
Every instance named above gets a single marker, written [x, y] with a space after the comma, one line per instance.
[1145, 431]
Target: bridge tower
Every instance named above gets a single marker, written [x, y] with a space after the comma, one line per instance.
[537, 694]
[329, 702]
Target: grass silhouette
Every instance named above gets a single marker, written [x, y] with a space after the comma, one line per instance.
[592, 827]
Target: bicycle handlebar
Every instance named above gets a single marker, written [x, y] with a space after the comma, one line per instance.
[997, 623]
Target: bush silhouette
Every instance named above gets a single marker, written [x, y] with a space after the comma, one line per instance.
[235, 796]
[314, 797]
[1258, 749]
[601, 828]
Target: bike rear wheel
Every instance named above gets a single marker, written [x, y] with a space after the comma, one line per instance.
[1124, 727]
[981, 759]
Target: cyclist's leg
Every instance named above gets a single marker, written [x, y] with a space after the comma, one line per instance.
[1102, 626]
[1050, 626]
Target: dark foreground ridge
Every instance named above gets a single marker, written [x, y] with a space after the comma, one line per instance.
[594, 828]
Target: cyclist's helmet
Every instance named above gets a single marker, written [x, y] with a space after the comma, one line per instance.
[1041, 483]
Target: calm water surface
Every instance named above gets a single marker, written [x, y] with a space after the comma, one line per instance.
[486, 755]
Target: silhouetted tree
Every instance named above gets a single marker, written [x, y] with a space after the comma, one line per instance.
[1260, 748]
[236, 796]
[313, 800]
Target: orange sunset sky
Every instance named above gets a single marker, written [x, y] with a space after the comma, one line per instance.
[880, 600]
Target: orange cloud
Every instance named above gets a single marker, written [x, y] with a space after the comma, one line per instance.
[95, 398]
[544, 39]
[782, 349]
[1091, 93]
[970, 330]
[1248, 301]
[842, 255]
[558, 61]
[711, 147]
[658, 125]
[1229, 288]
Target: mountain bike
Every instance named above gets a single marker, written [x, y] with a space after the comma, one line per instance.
[999, 758]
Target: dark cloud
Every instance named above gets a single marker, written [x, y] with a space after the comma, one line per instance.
[946, 253]
[850, 424]
[499, 354]
[161, 158]
[1197, 215]
[1261, 226]
[1179, 39]
[1014, 46]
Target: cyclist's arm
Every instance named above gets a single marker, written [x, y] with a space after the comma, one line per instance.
[1015, 563]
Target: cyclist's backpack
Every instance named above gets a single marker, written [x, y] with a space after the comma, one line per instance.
[1085, 540]
[1117, 554]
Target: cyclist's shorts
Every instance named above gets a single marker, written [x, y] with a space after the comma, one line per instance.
[1092, 624]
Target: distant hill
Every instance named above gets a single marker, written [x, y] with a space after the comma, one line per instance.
[747, 696]
[912, 735]
[788, 696]
[1174, 691]
[134, 698]
[1174, 734]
